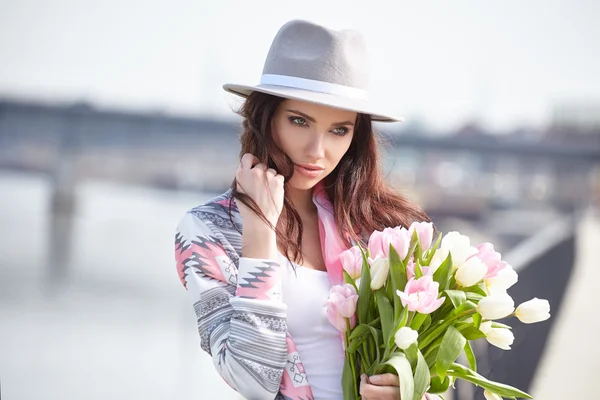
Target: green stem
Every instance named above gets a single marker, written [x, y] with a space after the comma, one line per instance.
[364, 363]
[352, 358]
[431, 336]
[411, 315]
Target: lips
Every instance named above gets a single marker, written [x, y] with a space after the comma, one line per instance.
[311, 167]
[309, 171]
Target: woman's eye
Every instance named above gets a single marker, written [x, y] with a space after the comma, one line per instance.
[341, 131]
[298, 121]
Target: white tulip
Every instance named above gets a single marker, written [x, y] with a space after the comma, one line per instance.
[534, 310]
[491, 396]
[438, 258]
[502, 338]
[380, 268]
[405, 337]
[471, 272]
[500, 283]
[496, 306]
[459, 246]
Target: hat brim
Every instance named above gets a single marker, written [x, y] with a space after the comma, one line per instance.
[325, 99]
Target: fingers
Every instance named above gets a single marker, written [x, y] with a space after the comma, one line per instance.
[248, 161]
[370, 391]
[385, 380]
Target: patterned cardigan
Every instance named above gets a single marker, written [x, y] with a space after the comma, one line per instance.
[238, 304]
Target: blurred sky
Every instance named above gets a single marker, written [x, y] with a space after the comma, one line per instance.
[503, 63]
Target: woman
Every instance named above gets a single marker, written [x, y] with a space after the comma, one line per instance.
[259, 260]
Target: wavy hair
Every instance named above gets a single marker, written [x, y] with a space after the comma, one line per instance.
[363, 201]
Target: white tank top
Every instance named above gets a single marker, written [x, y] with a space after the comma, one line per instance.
[319, 343]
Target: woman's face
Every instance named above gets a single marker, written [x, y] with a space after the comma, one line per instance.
[315, 137]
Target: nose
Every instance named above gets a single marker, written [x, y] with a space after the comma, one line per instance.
[316, 147]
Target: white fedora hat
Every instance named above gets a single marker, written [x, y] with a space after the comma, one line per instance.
[312, 63]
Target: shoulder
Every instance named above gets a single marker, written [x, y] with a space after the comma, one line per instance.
[219, 213]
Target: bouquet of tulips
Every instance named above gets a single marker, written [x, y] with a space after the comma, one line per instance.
[411, 308]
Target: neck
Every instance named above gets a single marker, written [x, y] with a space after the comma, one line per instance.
[302, 200]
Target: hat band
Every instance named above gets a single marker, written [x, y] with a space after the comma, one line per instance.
[313, 85]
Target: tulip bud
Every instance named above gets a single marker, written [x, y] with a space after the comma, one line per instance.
[405, 337]
[380, 241]
[502, 280]
[491, 396]
[496, 306]
[380, 268]
[352, 261]
[471, 272]
[421, 295]
[424, 232]
[459, 246]
[534, 310]
[500, 337]
[341, 305]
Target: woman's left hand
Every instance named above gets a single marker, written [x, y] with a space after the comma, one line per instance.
[380, 387]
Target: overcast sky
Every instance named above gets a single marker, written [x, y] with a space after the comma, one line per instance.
[504, 63]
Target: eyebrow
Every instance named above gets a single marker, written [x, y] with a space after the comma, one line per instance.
[311, 119]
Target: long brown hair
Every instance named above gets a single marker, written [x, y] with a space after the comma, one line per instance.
[363, 201]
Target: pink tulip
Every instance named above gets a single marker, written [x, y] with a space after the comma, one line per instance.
[352, 262]
[500, 275]
[425, 233]
[379, 242]
[421, 295]
[490, 257]
[342, 305]
[410, 270]
[428, 396]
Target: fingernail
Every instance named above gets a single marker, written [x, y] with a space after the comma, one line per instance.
[375, 378]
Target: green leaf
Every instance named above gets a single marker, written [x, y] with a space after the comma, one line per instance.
[457, 297]
[359, 330]
[389, 290]
[476, 289]
[475, 297]
[411, 250]
[349, 383]
[462, 372]
[422, 377]
[442, 274]
[432, 357]
[400, 363]
[434, 247]
[500, 325]
[470, 332]
[348, 279]
[477, 320]
[439, 386]
[358, 336]
[450, 348]
[398, 279]
[402, 319]
[355, 344]
[467, 305]
[418, 270]
[455, 316]
[470, 356]
[418, 320]
[426, 323]
[411, 354]
[377, 336]
[365, 293]
[386, 314]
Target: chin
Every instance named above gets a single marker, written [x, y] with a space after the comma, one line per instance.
[301, 183]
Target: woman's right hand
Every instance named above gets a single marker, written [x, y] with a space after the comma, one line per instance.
[264, 186]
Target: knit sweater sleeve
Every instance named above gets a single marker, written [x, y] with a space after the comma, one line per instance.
[240, 313]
